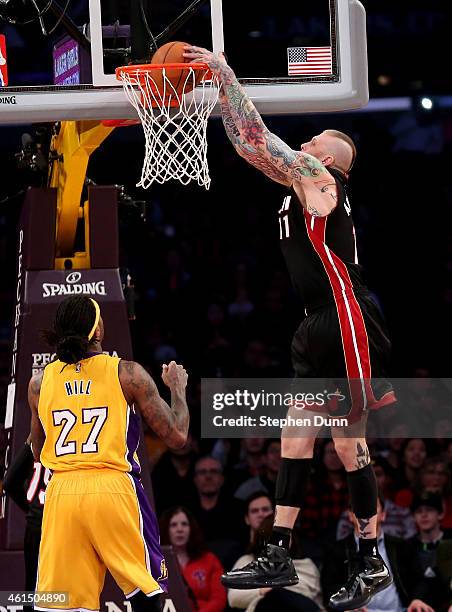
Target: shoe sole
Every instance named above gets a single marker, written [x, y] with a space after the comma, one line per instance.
[243, 584]
[362, 604]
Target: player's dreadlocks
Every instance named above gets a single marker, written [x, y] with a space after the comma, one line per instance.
[73, 329]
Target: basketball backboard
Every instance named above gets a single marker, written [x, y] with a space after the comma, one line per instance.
[292, 59]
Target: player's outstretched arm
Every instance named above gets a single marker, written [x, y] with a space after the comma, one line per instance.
[169, 422]
[37, 431]
[294, 165]
[245, 150]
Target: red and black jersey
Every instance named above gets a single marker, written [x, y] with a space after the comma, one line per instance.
[344, 334]
[320, 252]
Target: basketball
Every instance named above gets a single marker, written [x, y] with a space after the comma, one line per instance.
[173, 53]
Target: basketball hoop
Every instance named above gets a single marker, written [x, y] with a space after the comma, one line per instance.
[174, 118]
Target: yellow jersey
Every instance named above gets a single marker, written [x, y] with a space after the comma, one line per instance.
[85, 416]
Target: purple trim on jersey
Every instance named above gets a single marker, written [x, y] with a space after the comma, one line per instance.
[133, 438]
[151, 536]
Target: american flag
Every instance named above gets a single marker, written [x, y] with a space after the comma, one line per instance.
[309, 60]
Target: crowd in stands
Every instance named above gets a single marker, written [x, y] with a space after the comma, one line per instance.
[217, 528]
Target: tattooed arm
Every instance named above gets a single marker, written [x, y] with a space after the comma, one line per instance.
[37, 431]
[244, 149]
[305, 172]
[169, 422]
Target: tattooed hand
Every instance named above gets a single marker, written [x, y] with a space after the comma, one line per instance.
[216, 62]
[174, 375]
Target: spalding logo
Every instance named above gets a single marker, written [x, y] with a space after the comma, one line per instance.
[73, 277]
[73, 288]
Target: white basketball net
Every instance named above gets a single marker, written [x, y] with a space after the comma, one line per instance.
[176, 137]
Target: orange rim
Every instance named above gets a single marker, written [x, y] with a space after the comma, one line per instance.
[139, 71]
[148, 67]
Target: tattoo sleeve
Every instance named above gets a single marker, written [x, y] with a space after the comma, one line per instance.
[253, 132]
[169, 422]
[232, 130]
[246, 150]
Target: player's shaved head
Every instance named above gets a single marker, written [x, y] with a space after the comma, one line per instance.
[342, 148]
[332, 148]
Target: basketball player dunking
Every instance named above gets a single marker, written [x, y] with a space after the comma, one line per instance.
[85, 429]
[342, 336]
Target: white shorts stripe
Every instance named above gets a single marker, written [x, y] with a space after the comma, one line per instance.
[352, 327]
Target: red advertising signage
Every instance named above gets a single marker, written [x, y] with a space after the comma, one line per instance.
[3, 63]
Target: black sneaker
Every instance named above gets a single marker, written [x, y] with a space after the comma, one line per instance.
[274, 568]
[369, 578]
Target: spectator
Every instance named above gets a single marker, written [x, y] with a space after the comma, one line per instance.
[201, 569]
[172, 478]
[252, 461]
[434, 477]
[303, 597]
[409, 589]
[219, 516]
[413, 453]
[428, 512]
[258, 507]
[398, 520]
[267, 480]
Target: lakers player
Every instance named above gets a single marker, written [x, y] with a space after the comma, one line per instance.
[85, 428]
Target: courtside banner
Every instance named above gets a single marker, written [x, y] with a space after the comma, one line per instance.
[306, 407]
[3, 62]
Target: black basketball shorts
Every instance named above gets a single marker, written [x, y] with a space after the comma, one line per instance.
[346, 343]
